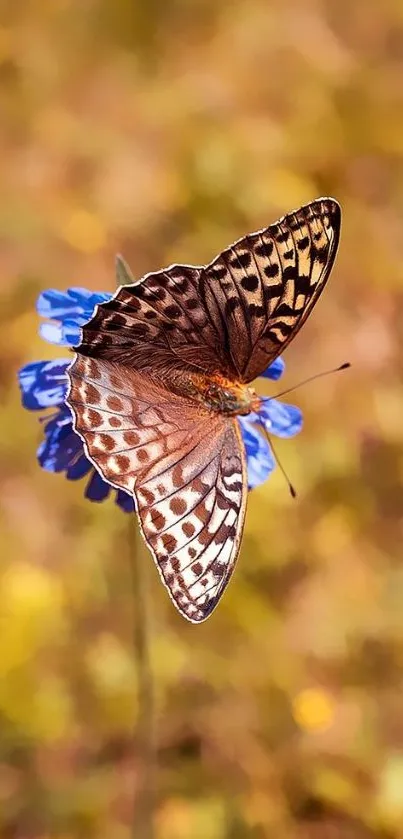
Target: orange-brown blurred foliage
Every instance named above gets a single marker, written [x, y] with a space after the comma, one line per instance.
[165, 130]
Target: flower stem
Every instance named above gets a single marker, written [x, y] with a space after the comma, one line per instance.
[143, 821]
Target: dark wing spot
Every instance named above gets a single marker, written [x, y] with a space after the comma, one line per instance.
[147, 496]
[218, 568]
[177, 476]
[131, 438]
[290, 273]
[122, 462]
[94, 418]
[93, 370]
[169, 542]
[243, 259]
[282, 237]
[114, 403]
[202, 512]
[231, 304]
[192, 303]
[265, 249]
[107, 442]
[218, 273]
[172, 312]
[199, 486]
[143, 456]
[177, 506]
[116, 321]
[157, 519]
[188, 529]
[303, 285]
[271, 270]
[250, 283]
[303, 243]
[92, 394]
[153, 291]
[319, 254]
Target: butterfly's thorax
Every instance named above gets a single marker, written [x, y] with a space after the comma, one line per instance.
[219, 394]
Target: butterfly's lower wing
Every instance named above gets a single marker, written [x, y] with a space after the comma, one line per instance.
[236, 315]
[184, 466]
[264, 286]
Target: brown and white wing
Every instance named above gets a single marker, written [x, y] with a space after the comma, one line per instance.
[184, 466]
[158, 323]
[234, 316]
[263, 287]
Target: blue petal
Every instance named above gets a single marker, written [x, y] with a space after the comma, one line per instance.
[258, 454]
[70, 309]
[281, 419]
[79, 468]
[125, 501]
[43, 384]
[61, 446]
[275, 370]
[65, 335]
[97, 489]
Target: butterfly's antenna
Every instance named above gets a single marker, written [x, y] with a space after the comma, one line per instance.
[344, 366]
[292, 490]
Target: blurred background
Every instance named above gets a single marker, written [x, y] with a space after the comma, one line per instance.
[165, 130]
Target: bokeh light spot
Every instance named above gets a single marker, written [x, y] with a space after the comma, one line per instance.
[84, 231]
[314, 709]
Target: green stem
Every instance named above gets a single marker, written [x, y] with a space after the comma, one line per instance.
[143, 822]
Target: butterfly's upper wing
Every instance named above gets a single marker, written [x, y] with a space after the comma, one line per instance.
[233, 316]
[184, 466]
[264, 286]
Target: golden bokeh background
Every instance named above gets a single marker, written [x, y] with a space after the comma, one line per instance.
[165, 130]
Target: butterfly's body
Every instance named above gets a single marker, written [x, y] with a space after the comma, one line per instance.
[223, 396]
[162, 372]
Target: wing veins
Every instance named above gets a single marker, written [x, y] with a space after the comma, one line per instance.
[208, 567]
[175, 491]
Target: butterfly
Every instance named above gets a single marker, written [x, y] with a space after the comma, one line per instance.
[163, 370]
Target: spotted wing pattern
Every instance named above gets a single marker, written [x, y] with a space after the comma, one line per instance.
[263, 287]
[234, 316]
[184, 466]
[162, 314]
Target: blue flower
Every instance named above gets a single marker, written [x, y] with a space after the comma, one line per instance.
[44, 385]
[277, 418]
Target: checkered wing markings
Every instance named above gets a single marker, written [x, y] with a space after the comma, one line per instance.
[261, 290]
[193, 520]
[185, 468]
[162, 314]
[233, 316]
